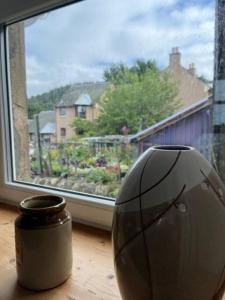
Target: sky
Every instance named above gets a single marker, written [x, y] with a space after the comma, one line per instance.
[78, 42]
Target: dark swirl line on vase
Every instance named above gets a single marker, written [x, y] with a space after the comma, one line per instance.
[168, 208]
[173, 202]
[158, 182]
[131, 199]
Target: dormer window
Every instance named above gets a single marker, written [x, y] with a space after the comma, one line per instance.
[62, 111]
[81, 111]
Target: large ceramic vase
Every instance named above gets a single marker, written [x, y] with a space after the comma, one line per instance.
[169, 228]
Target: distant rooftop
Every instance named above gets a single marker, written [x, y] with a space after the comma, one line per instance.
[91, 90]
[84, 99]
[49, 128]
[45, 117]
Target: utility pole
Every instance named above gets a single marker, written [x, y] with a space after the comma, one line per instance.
[38, 144]
[218, 107]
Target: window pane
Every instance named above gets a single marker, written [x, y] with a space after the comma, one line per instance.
[96, 83]
[63, 131]
[62, 111]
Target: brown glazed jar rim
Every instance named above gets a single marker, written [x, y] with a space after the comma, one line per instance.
[44, 204]
[173, 148]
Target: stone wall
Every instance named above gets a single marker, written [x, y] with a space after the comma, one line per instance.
[65, 121]
[19, 99]
[191, 89]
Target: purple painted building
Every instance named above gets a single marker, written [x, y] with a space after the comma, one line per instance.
[190, 126]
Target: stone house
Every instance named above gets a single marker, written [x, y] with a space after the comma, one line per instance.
[190, 88]
[80, 101]
[47, 127]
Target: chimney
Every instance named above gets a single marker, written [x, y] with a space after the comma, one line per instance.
[175, 57]
[192, 69]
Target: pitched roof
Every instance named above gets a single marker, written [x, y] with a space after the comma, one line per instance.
[183, 113]
[45, 117]
[84, 99]
[93, 89]
[49, 128]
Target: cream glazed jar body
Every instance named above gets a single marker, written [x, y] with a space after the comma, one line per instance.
[43, 234]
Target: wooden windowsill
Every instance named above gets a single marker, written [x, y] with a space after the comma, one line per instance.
[93, 274]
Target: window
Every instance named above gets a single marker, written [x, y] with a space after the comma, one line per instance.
[81, 111]
[63, 131]
[62, 111]
[133, 92]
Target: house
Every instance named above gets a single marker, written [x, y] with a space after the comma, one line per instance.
[190, 88]
[48, 133]
[47, 127]
[190, 126]
[82, 98]
[80, 101]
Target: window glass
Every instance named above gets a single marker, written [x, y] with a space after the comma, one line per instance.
[62, 111]
[63, 131]
[81, 111]
[125, 74]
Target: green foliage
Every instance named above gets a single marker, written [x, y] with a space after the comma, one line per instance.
[46, 101]
[114, 189]
[119, 73]
[102, 170]
[84, 127]
[141, 67]
[55, 154]
[136, 100]
[125, 155]
[97, 175]
[56, 168]
[81, 152]
[83, 172]
[34, 166]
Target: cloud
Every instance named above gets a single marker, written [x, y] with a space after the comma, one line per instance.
[76, 43]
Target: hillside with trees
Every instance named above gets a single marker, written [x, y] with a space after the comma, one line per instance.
[46, 101]
[137, 97]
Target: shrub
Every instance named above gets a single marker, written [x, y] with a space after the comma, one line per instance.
[100, 175]
[56, 168]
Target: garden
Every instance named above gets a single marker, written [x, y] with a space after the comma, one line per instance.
[82, 166]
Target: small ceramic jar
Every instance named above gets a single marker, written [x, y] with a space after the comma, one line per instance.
[43, 233]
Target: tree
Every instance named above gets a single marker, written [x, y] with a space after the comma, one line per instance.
[137, 98]
[83, 127]
[117, 73]
[46, 101]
